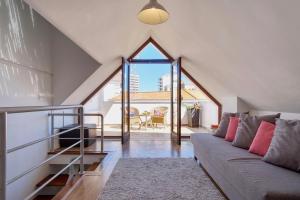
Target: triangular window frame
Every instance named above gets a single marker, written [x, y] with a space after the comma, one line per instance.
[152, 49]
[169, 59]
[156, 45]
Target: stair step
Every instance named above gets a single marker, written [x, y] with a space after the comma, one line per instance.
[65, 159]
[44, 197]
[67, 188]
[61, 180]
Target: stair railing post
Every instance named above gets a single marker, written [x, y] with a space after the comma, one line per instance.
[3, 135]
[102, 134]
[81, 117]
[52, 131]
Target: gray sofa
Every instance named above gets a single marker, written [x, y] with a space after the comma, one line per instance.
[242, 175]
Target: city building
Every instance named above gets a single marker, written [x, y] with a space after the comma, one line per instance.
[164, 83]
[134, 82]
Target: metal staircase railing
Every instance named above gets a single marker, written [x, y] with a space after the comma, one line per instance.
[4, 112]
[63, 115]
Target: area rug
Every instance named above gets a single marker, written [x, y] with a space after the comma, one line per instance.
[159, 179]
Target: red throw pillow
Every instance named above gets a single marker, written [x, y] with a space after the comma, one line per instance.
[262, 139]
[232, 126]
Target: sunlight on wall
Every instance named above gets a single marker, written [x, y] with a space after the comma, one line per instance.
[25, 80]
[25, 58]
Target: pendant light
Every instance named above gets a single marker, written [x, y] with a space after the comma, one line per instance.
[153, 13]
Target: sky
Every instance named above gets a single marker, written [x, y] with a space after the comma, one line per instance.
[150, 73]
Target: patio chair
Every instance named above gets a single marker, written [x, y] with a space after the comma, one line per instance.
[135, 118]
[158, 115]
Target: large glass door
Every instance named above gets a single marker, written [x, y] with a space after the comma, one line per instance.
[125, 101]
[176, 101]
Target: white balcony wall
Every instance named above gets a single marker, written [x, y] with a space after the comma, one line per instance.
[112, 110]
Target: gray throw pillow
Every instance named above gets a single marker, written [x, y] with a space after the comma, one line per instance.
[247, 129]
[223, 126]
[284, 149]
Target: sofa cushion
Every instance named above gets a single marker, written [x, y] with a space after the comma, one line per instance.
[223, 126]
[285, 146]
[218, 150]
[262, 139]
[233, 124]
[259, 180]
[242, 175]
[247, 129]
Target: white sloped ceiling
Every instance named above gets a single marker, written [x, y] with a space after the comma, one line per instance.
[248, 48]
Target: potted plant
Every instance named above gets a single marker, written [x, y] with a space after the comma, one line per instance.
[193, 115]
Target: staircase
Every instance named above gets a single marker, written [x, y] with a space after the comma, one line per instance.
[61, 184]
[65, 167]
[54, 186]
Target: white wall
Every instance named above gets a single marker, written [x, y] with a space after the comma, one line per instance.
[25, 56]
[21, 130]
[229, 104]
[247, 48]
[26, 73]
[234, 104]
[242, 106]
[25, 79]
[209, 114]
[284, 115]
[94, 80]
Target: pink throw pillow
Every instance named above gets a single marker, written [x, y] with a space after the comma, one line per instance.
[232, 127]
[262, 139]
[157, 113]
